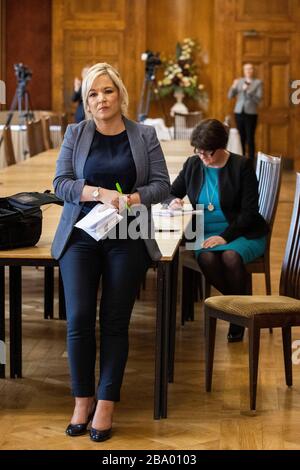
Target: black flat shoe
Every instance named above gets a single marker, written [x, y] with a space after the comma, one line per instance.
[235, 333]
[75, 430]
[100, 436]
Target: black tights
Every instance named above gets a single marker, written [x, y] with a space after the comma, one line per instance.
[225, 271]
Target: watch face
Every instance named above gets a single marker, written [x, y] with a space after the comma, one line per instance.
[96, 193]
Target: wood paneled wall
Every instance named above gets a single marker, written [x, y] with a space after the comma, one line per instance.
[169, 22]
[88, 32]
[2, 43]
[231, 32]
[28, 40]
[265, 33]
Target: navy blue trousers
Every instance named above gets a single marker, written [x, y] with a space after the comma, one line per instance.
[121, 264]
[246, 124]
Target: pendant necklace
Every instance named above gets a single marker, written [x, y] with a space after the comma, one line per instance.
[210, 205]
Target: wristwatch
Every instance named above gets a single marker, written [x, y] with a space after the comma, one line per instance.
[96, 194]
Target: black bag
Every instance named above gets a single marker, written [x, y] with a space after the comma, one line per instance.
[21, 218]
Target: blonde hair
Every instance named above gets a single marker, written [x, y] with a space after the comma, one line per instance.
[94, 72]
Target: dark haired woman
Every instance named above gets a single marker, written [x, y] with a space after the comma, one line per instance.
[234, 231]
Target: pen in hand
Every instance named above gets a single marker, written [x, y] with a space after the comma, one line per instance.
[119, 189]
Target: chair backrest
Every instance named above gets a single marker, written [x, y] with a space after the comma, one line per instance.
[9, 152]
[185, 123]
[63, 123]
[268, 173]
[61, 120]
[46, 132]
[35, 137]
[290, 271]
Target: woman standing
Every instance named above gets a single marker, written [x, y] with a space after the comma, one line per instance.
[96, 154]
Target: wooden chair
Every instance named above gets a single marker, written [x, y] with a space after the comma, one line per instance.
[46, 132]
[63, 123]
[268, 172]
[262, 311]
[35, 137]
[185, 123]
[9, 152]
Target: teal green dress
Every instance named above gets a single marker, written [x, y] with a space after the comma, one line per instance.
[215, 221]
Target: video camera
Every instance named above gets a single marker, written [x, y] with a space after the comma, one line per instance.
[152, 60]
[22, 73]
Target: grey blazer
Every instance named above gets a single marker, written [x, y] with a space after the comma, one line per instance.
[152, 178]
[247, 100]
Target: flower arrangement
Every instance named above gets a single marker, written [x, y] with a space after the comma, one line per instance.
[180, 75]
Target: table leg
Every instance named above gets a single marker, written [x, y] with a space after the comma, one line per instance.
[15, 321]
[165, 339]
[48, 291]
[158, 339]
[173, 293]
[2, 322]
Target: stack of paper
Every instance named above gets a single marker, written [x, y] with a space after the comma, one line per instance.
[99, 221]
[167, 212]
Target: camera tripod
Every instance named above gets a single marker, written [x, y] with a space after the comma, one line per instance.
[149, 89]
[22, 103]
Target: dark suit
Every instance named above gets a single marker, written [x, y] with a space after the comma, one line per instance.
[79, 113]
[238, 194]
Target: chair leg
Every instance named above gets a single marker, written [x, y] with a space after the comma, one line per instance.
[249, 284]
[200, 286]
[287, 353]
[187, 297]
[2, 321]
[207, 289]
[209, 349]
[254, 340]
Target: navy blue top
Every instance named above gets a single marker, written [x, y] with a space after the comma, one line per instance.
[109, 161]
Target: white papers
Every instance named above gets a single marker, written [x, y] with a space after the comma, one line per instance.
[167, 212]
[99, 221]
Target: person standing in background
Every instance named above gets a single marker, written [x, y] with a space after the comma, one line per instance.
[249, 92]
[77, 95]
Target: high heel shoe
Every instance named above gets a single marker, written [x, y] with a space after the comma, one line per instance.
[100, 436]
[235, 333]
[75, 430]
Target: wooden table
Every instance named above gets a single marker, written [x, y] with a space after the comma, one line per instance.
[36, 175]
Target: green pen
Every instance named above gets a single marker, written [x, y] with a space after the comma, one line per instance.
[119, 189]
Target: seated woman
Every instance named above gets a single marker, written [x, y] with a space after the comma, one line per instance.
[234, 231]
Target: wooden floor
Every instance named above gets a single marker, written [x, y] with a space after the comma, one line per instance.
[35, 410]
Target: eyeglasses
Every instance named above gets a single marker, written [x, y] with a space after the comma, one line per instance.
[205, 153]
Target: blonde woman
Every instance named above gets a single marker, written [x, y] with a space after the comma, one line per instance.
[98, 152]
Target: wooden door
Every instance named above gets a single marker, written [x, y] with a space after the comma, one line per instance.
[87, 32]
[264, 32]
[270, 52]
